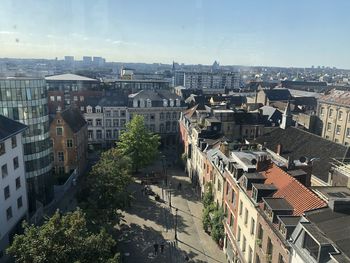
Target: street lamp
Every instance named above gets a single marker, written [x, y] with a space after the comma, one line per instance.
[176, 224]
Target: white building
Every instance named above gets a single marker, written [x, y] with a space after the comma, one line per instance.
[13, 199]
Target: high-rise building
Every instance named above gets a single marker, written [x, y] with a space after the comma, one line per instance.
[69, 58]
[25, 100]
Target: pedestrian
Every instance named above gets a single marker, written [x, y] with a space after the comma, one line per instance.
[162, 248]
[155, 248]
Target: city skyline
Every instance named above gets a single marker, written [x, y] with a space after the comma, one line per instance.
[288, 34]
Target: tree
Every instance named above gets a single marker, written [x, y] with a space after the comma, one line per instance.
[62, 239]
[208, 197]
[217, 226]
[206, 218]
[138, 143]
[106, 189]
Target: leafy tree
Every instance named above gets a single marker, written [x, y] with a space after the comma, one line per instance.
[217, 226]
[138, 143]
[208, 197]
[206, 220]
[106, 189]
[62, 239]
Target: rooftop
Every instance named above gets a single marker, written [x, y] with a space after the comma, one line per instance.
[73, 118]
[289, 220]
[9, 128]
[69, 77]
[337, 97]
[278, 204]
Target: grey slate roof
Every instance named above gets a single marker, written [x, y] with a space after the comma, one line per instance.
[296, 143]
[9, 127]
[278, 94]
[73, 118]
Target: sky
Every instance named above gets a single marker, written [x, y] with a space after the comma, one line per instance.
[292, 33]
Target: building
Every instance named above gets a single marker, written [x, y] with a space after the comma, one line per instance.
[334, 116]
[69, 137]
[208, 80]
[313, 86]
[106, 118]
[70, 89]
[69, 59]
[161, 110]
[87, 60]
[13, 201]
[323, 235]
[130, 86]
[271, 97]
[25, 100]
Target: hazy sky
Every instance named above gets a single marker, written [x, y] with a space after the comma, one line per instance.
[260, 32]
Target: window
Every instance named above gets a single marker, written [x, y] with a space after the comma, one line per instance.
[269, 248]
[60, 156]
[340, 115]
[174, 115]
[19, 202]
[7, 192]
[239, 234]
[14, 142]
[98, 122]
[240, 208]
[75, 98]
[152, 116]
[58, 98]
[59, 131]
[81, 98]
[252, 226]
[98, 109]
[260, 234]
[52, 98]
[250, 255]
[347, 132]
[233, 197]
[310, 245]
[15, 163]
[280, 259]
[322, 111]
[122, 123]
[4, 171]
[9, 213]
[122, 113]
[89, 109]
[115, 123]
[18, 182]
[108, 113]
[2, 148]
[338, 129]
[329, 126]
[244, 244]
[89, 122]
[330, 113]
[69, 143]
[82, 108]
[115, 134]
[90, 134]
[161, 116]
[99, 134]
[246, 216]
[108, 134]
[231, 219]
[108, 123]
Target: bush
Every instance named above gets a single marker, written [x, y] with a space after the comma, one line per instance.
[218, 231]
[208, 197]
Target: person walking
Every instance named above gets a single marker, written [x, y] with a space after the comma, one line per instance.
[155, 248]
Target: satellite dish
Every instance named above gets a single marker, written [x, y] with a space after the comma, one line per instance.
[302, 159]
[253, 161]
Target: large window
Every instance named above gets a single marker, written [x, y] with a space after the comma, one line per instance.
[311, 245]
[2, 148]
[14, 142]
[9, 213]
[59, 131]
[7, 192]
[4, 171]
[15, 163]
[60, 156]
[18, 182]
[69, 143]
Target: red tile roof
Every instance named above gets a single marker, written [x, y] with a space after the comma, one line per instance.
[296, 194]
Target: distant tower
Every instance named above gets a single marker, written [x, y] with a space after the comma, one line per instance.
[286, 117]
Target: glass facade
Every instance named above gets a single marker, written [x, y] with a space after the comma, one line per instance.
[25, 100]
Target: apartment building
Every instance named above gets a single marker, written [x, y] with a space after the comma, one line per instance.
[334, 115]
[13, 198]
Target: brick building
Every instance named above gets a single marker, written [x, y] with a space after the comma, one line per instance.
[68, 131]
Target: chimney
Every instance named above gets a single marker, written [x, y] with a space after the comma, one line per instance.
[279, 149]
[225, 149]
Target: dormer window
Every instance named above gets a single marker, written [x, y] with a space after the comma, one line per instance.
[171, 103]
[135, 103]
[142, 103]
[149, 103]
[178, 103]
[89, 109]
[165, 103]
[98, 109]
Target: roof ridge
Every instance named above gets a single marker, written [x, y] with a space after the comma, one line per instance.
[292, 179]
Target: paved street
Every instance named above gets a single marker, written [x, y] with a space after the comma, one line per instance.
[148, 222]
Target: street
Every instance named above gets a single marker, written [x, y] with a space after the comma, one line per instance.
[150, 222]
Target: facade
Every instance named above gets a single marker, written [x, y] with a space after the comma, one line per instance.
[69, 137]
[161, 110]
[70, 89]
[208, 80]
[13, 198]
[132, 85]
[106, 118]
[25, 100]
[334, 115]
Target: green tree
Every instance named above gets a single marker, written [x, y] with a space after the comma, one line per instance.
[208, 197]
[106, 188]
[217, 226]
[138, 143]
[63, 239]
[206, 217]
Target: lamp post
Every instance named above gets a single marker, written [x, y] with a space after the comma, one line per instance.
[176, 224]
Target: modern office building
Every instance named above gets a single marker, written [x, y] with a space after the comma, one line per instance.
[13, 198]
[25, 100]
